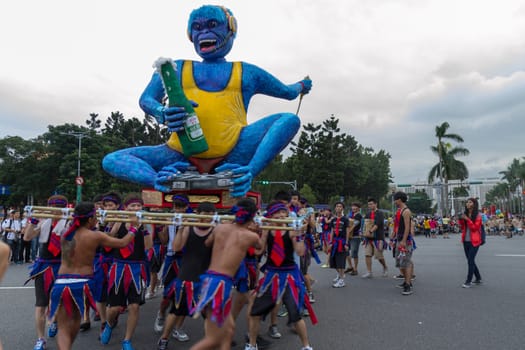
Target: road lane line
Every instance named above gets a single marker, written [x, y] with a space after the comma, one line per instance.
[16, 288]
[511, 255]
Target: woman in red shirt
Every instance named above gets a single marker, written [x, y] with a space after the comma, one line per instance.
[470, 223]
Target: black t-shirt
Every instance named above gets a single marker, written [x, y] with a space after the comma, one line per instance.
[357, 224]
[196, 258]
[339, 226]
[138, 253]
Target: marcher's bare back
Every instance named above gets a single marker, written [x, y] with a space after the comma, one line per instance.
[78, 254]
[230, 245]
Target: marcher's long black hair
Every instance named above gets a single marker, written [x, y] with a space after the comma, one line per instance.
[475, 209]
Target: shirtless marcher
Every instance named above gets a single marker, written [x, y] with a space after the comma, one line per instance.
[75, 283]
[230, 244]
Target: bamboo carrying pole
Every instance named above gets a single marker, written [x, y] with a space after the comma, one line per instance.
[158, 218]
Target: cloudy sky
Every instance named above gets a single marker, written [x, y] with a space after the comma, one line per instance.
[389, 70]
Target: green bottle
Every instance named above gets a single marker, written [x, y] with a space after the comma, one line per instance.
[191, 137]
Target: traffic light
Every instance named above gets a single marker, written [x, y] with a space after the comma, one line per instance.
[264, 182]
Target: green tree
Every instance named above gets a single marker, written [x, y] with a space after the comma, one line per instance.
[419, 202]
[448, 167]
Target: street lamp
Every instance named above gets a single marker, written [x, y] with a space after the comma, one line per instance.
[79, 180]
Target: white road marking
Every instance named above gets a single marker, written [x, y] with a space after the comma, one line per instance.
[511, 255]
[16, 288]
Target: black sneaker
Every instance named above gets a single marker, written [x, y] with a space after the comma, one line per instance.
[407, 290]
[399, 277]
[477, 282]
[402, 285]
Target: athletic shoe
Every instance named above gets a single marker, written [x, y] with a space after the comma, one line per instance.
[467, 285]
[348, 270]
[413, 277]
[311, 297]
[283, 312]
[105, 336]
[40, 344]
[385, 272]
[337, 278]
[367, 275]
[97, 317]
[126, 345]
[305, 313]
[325, 266]
[158, 326]
[85, 326]
[407, 290]
[402, 285]
[307, 348]
[353, 273]
[180, 335]
[162, 344]
[250, 347]
[52, 330]
[399, 277]
[274, 332]
[262, 343]
[150, 295]
[477, 282]
[339, 284]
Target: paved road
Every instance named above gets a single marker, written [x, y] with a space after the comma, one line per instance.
[366, 314]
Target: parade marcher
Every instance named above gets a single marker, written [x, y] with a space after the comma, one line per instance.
[172, 263]
[4, 263]
[13, 228]
[74, 286]
[45, 268]
[127, 276]
[404, 241]
[355, 238]
[340, 233]
[230, 244]
[282, 280]
[196, 243]
[325, 220]
[374, 238]
[470, 223]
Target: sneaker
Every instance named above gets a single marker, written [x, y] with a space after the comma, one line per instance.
[305, 313]
[325, 266]
[250, 347]
[162, 344]
[311, 297]
[367, 275]
[339, 284]
[413, 277]
[52, 330]
[126, 345]
[399, 277]
[354, 273]
[85, 326]
[385, 272]
[158, 326]
[97, 317]
[336, 278]
[467, 285]
[477, 282]
[260, 342]
[348, 270]
[180, 335]
[274, 332]
[150, 295]
[40, 344]
[407, 290]
[307, 348]
[282, 312]
[402, 285]
[105, 336]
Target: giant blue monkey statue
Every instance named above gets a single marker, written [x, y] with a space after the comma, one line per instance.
[221, 92]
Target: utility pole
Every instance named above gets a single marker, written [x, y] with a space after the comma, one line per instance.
[78, 180]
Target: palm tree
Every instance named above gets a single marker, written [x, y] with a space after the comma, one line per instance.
[448, 167]
[515, 176]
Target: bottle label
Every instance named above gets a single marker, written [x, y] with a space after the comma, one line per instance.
[193, 128]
